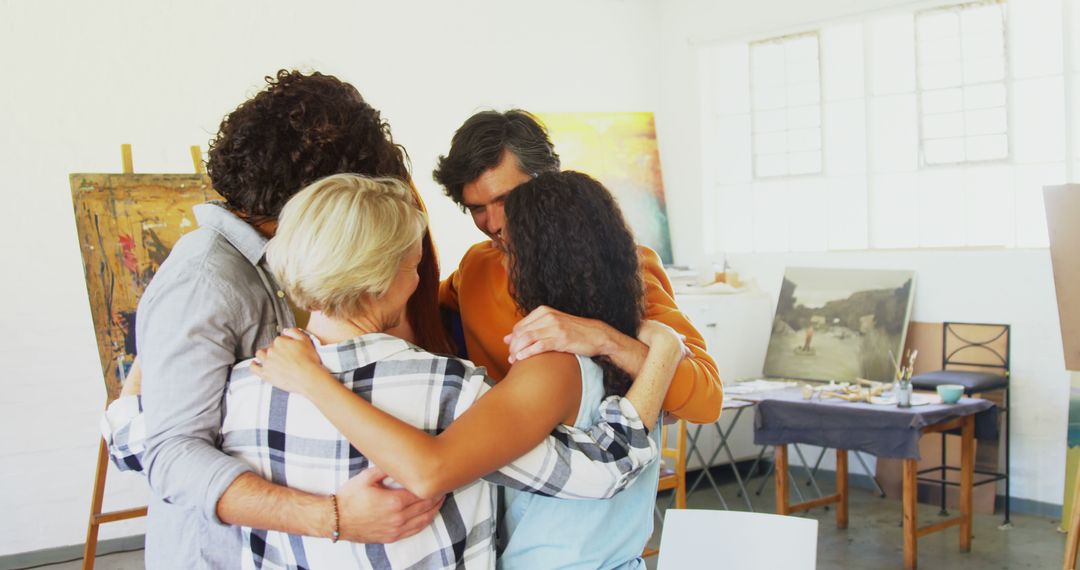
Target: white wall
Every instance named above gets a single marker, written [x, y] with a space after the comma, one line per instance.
[1009, 286]
[82, 78]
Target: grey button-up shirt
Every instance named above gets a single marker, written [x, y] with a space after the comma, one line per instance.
[211, 304]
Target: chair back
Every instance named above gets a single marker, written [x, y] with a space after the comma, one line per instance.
[975, 347]
[673, 474]
[734, 539]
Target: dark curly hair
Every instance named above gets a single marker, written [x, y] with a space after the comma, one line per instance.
[479, 143]
[302, 128]
[299, 129]
[570, 249]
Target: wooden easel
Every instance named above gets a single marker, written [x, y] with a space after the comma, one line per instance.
[97, 517]
[1073, 538]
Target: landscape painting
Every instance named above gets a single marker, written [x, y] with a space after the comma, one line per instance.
[839, 324]
[127, 224]
[619, 150]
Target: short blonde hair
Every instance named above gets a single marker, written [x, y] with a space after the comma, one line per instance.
[340, 241]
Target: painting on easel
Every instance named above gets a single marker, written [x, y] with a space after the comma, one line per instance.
[127, 224]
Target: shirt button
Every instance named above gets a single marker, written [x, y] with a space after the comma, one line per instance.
[281, 294]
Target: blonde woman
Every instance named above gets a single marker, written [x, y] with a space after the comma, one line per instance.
[347, 249]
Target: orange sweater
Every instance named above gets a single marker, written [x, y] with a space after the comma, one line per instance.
[478, 291]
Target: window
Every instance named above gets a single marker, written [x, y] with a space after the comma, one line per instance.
[934, 128]
[785, 80]
[961, 83]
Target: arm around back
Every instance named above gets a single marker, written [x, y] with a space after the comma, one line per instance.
[187, 341]
[696, 393]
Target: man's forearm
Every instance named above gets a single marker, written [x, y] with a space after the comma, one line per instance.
[257, 503]
[628, 353]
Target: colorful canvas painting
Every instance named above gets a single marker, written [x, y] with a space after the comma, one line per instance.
[127, 224]
[839, 324]
[619, 150]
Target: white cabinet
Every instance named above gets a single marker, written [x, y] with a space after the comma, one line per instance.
[736, 330]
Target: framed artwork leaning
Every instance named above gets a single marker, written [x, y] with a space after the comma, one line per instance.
[839, 324]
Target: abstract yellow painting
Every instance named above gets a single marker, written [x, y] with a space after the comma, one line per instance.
[127, 225]
[619, 150]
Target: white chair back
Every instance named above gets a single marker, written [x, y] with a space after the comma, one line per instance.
[732, 539]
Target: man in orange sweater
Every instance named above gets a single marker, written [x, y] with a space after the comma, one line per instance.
[490, 155]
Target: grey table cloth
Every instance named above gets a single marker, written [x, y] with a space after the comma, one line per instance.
[783, 416]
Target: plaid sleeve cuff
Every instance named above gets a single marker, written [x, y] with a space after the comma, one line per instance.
[624, 421]
[124, 428]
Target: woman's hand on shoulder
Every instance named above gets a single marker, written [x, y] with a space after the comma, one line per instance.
[657, 335]
[290, 363]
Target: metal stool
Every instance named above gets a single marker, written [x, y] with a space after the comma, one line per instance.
[975, 356]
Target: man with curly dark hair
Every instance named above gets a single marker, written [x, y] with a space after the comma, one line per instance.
[213, 302]
[490, 155]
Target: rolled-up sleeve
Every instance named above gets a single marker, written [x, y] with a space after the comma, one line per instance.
[592, 463]
[123, 426]
[186, 334]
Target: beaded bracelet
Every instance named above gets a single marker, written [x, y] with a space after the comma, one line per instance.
[336, 534]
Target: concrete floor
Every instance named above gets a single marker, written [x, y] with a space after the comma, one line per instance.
[873, 538]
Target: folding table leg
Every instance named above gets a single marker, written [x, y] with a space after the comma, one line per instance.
[724, 435]
[873, 478]
[704, 470]
[754, 468]
[809, 473]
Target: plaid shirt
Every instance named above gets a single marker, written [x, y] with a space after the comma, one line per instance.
[287, 440]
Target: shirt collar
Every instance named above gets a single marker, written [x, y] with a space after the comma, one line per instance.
[242, 236]
[358, 352]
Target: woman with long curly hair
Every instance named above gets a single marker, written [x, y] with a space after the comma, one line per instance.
[568, 248]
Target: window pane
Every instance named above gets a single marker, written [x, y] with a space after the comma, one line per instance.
[943, 151]
[803, 93]
[984, 69]
[939, 75]
[940, 24]
[801, 50]
[786, 105]
[985, 121]
[770, 165]
[987, 147]
[770, 143]
[942, 101]
[803, 117]
[939, 50]
[804, 139]
[767, 64]
[804, 162]
[984, 96]
[983, 45]
[962, 69]
[945, 125]
[769, 97]
[770, 121]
